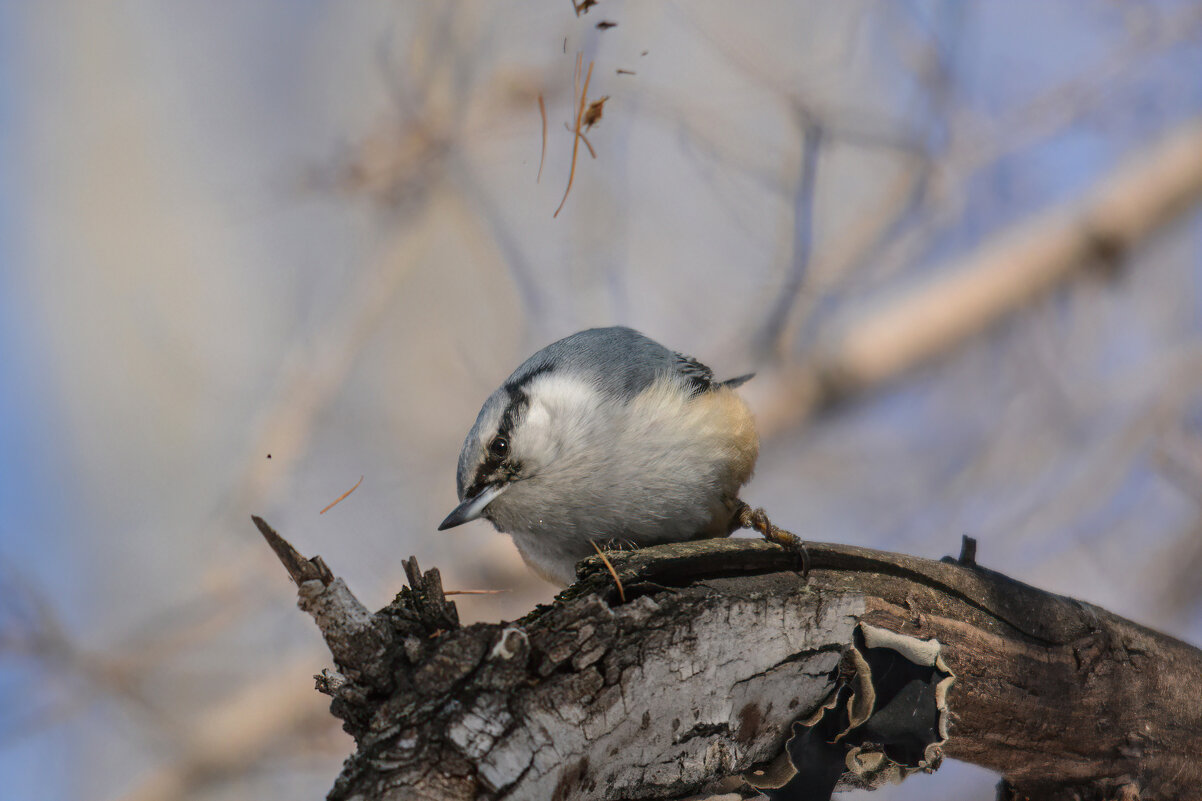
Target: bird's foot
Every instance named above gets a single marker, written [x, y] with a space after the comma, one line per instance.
[618, 544]
[757, 520]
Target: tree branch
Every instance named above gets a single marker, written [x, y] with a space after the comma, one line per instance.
[725, 671]
[1126, 208]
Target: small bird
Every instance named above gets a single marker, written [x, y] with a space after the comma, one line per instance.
[606, 437]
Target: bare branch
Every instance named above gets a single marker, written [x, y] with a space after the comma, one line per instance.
[1003, 277]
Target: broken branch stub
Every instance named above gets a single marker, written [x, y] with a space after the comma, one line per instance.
[724, 671]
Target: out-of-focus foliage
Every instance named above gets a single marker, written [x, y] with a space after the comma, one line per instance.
[253, 251]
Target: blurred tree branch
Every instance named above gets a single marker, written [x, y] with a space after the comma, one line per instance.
[961, 147]
[255, 722]
[1003, 277]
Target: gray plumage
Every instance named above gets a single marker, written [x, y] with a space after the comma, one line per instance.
[605, 435]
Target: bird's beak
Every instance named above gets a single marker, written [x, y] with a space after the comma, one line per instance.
[472, 507]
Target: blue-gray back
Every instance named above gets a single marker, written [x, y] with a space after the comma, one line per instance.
[620, 360]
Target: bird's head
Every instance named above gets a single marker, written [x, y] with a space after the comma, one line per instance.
[525, 436]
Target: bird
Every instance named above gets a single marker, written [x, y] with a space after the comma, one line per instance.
[606, 438]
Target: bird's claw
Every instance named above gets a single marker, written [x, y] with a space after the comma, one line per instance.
[757, 520]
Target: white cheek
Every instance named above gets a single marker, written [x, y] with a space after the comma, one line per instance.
[536, 441]
[560, 410]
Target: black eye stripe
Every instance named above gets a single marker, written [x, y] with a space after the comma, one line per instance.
[517, 404]
[485, 473]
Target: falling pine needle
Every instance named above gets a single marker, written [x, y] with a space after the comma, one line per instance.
[576, 76]
[587, 143]
[542, 110]
[472, 592]
[576, 139]
[339, 499]
[610, 567]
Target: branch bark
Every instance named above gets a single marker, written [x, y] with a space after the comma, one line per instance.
[724, 670]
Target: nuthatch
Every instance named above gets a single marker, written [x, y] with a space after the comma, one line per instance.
[606, 436]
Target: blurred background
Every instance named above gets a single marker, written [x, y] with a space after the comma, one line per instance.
[252, 252]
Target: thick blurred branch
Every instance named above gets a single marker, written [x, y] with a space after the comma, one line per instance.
[1003, 277]
[256, 721]
[721, 652]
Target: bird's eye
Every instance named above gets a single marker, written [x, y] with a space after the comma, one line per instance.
[499, 447]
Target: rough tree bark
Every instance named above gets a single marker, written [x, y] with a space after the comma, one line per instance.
[716, 667]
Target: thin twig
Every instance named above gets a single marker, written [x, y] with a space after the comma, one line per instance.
[576, 141]
[338, 500]
[803, 232]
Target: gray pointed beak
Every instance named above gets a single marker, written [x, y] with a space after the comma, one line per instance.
[472, 507]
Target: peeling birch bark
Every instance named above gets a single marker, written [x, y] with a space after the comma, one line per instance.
[722, 654]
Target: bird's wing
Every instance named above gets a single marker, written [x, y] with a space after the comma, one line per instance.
[702, 377]
[696, 373]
